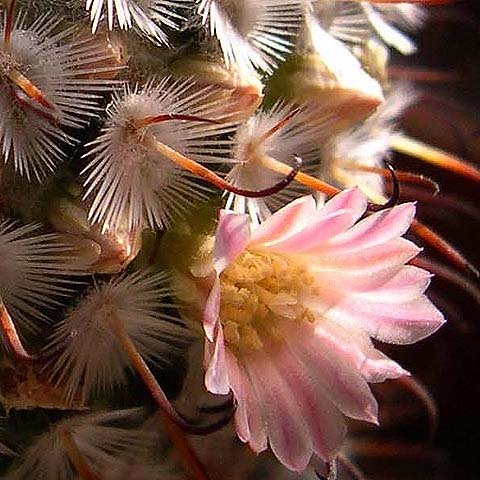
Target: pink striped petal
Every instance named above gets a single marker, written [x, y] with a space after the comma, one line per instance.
[212, 310]
[402, 323]
[409, 283]
[339, 214]
[375, 230]
[231, 238]
[258, 435]
[319, 231]
[359, 350]
[341, 383]
[352, 199]
[365, 272]
[324, 422]
[216, 376]
[286, 430]
[285, 221]
[248, 419]
[237, 384]
[378, 367]
[396, 251]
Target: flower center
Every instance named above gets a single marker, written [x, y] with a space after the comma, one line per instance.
[259, 292]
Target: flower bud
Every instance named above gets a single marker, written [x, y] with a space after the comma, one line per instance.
[101, 252]
[307, 78]
[241, 88]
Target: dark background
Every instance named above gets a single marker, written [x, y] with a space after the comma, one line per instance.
[447, 70]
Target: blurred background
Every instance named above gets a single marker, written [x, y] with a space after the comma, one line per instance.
[446, 70]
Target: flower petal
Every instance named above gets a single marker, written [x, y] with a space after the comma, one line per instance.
[286, 430]
[402, 323]
[248, 418]
[212, 310]
[285, 221]
[216, 376]
[409, 283]
[352, 199]
[238, 384]
[376, 229]
[341, 383]
[324, 422]
[372, 364]
[338, 214]
[320, 230]
[231, 238]
[351, 272]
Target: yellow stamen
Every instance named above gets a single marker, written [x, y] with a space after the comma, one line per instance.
[260, 290]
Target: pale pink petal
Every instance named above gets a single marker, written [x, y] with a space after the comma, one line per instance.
[340, 381]
[409, 283]
[231, 238]
[287, 433]
[375, 229]
[324, 422]
[238, 386]
[258, 430]
[352, 199]
[357, 347]
[212, 310]
[402, 323]
[339, 214]
[319, 231]
[378, 367]
[216, 376]
[285, 221]
[248, 419]
[396, 251]
[363, 272]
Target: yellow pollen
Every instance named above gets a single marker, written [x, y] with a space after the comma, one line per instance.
[259, 291]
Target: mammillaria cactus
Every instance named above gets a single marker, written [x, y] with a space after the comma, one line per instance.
[202, 237]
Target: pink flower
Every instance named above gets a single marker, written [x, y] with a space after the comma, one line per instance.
[291, 314]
